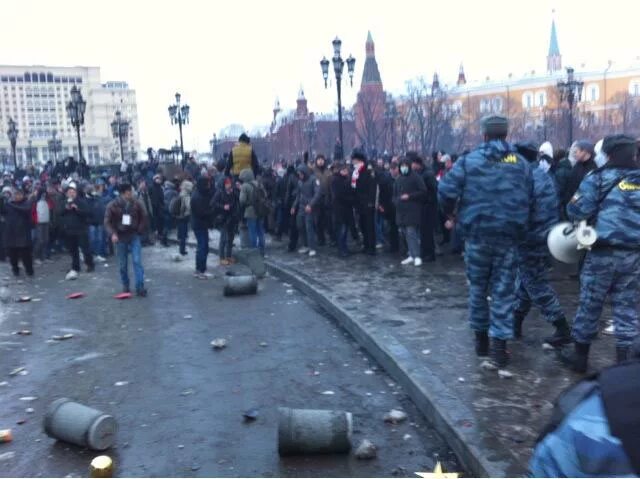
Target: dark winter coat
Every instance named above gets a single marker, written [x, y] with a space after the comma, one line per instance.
[578, 172]
[74, 221]
[409, 212]
[226, 219]
[291, 187]
[385, 196]
[113, 219]
[343, 198]
[98, 207]
[309, 191]
[17, 226]
[365, 190]
[201, 211]
[562, 178]
[157, 198]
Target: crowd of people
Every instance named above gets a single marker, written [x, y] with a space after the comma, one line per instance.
[496, 203]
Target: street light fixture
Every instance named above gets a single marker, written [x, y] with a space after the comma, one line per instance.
[338, 68]
[12, 133]
[55, 146]
[179, 114]
[75, 109]
[571, 91]
[390, 115]
[120, 130]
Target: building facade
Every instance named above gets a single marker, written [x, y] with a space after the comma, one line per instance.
[35, 97]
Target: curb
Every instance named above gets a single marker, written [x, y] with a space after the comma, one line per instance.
[451, 418]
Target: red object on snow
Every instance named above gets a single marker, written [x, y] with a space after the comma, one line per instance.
[122, 296]
[75, 295]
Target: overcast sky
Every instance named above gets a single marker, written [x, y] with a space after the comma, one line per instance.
[231, 59]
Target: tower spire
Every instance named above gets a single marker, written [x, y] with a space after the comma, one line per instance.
[462, 80]
[370, 73]
[554, 59]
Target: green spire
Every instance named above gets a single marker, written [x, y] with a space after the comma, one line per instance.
[554, 50]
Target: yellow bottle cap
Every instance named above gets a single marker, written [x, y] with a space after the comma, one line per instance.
[101, 466]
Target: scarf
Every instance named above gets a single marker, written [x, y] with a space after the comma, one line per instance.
[355, 175]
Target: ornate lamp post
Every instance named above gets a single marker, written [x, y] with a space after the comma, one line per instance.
[55, 146]
[571, 91]
[338, 68]
[75, 109]
[31, 152]
[179, 114]
[175, 151]
[390, 115]
[12, 133]
[120, 130]
[213, 143]
[310, 131]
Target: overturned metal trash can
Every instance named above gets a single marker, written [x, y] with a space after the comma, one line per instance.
[81, 425]
[312, 431]
[239, 285]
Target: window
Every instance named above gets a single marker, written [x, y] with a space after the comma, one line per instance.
[541, 99]
[592, 92]
[497, 104]
[485, 105]
[527, 100]
[634, 87]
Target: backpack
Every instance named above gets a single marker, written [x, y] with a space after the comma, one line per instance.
[260, 200]
[175, 206]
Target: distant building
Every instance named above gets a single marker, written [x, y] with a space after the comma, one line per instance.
[36, 98]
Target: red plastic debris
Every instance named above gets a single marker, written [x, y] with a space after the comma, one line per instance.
[123, 296]
[75, 295]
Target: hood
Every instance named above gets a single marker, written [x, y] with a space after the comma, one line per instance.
[186, 187]
[304, 169]
[246, 175]
[496, 149]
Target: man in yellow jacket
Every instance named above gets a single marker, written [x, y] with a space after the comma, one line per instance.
[242, 157]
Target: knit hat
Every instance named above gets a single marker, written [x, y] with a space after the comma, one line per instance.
[528, 150]
[358, 154]
[495, 125]
[620, 146]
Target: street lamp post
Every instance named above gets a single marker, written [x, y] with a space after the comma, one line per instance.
[75, 109]
[390, 114]
[12, 133]
[571, 91]
[120, 130]
[338, 68]
[310, 130]
[214, 145]
[30, 152]
[55, 146]
[179, 114]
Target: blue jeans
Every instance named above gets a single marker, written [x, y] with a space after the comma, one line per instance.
[256, 233]
[412, 235]
[182, 226]
[226, 241]
[202, 248]
[306, 226]
[379, 228]
[96, 240]
[133, 247]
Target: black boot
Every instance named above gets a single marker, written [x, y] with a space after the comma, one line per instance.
[499, 353]
[517, 325]
[577, 359]
[482, 343]
[561, 336]
[622, 354]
